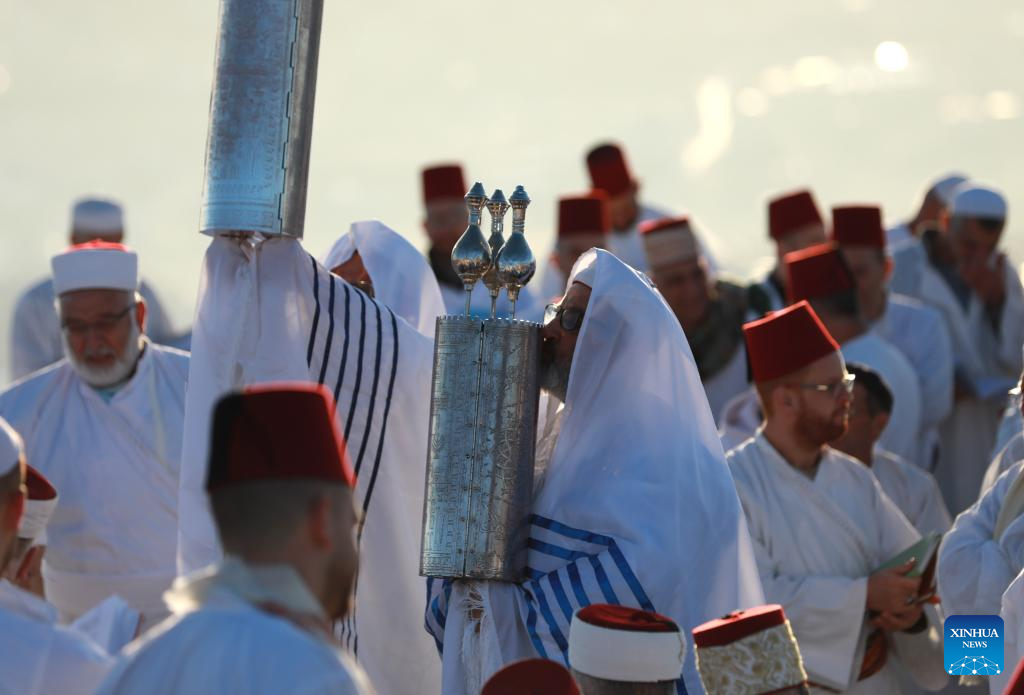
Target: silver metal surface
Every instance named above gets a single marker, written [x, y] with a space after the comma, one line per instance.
[515, 264]
[483, 426]
[261, 117]
[497, 206]
[471, 256]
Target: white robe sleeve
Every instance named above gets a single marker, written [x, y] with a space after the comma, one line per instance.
[973, 570]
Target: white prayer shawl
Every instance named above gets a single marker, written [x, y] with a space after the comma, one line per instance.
[1011, 453]
[1012, 613]
[816, 542]
[635, 507]
[913, 491]
[974, 569]
[919, 333]
[981, 354]
[39, 657]
[116, 466]
[272, 313]
[402, 278]
[901, 436]
[740, 419]
[219, 641]
[35, 328]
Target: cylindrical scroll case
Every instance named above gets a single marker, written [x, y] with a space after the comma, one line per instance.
[261, 117]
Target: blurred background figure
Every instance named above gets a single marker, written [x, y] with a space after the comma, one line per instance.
[583, 224]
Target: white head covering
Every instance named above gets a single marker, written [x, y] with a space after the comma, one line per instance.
[944, 186]
[95, 265]
[631, 655]
[11, 447]
[39, 506]
[97, 216]
[402, 279]
[975, 200]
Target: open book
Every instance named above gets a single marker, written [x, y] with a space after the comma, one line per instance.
[926, 552]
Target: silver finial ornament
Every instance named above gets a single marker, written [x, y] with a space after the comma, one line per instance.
[497, 206]
[471, 257]
[515, 262]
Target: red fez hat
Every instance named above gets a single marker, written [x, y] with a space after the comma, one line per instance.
[1016, 684]
[39, 488]
[817, 271]
[99, 244]
[790, 212]
[664, 223]
[584, 214]
[858, 225]
[531, 677]
[443, 182]
[786, 341]
[736, 626]
[608, 169]
[277, 432]
[625, 618]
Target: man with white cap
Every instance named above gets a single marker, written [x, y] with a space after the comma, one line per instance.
[280, 487]
[105, 426]
[35, 340]
[980, 296]
[615, 650]
[36, 655]
[820, 524]
[711, 310]
[632, 502]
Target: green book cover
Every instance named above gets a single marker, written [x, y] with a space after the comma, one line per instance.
[923, 550]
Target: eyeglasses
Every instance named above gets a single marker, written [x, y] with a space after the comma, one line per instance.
[104, 325]
[833, 389]
[569, 319]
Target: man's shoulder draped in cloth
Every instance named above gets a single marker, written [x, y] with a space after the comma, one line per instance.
[270, 312]
[635, 507]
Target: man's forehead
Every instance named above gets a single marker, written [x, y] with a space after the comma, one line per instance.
[577, 296]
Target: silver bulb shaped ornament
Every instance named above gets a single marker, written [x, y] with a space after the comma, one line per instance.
[497, 206]
[471, 257]
[515, 263]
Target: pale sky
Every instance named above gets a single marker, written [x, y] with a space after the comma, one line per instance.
[718, 104]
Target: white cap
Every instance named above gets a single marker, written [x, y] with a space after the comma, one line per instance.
[11, 448]
[976, 200]
[93, 215]
[616, 643]
[39, 506]
[95, 265]
[944, 187]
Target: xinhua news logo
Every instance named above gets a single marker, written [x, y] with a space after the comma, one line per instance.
[973, 645]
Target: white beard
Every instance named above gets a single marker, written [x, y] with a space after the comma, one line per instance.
[119, 371]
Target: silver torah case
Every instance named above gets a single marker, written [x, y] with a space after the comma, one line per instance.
[261, 117]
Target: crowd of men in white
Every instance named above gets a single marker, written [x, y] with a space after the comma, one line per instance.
[168, 525]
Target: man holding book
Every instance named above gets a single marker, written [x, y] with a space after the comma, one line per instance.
[821, 526]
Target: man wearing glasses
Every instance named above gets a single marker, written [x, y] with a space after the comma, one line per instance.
[105, 426]
[820, 524]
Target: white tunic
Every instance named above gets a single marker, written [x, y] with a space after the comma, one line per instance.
[1011, 453]
[35, 328]
[1012, 613]
[39, 657]
[909, 259]
[913, 491]
[975, 567]
[219, 641]
[901, 435]
[982, 355]
[116, 466]
[816, 542]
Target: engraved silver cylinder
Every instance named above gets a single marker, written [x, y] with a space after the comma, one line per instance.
[483, 431]
[261, 117]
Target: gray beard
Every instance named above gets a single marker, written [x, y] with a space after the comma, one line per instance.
[115, 373]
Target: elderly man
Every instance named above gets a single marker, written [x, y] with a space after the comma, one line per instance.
[35, 328]
[794, 223]
[980, 296]
[613, 354]
[105, 426]
[37, 657]
[913, 490]
[280, 487]
[820, 275]
[583, 224]
[913, 328]
[820, 524]
[269, 312]
[710, 310]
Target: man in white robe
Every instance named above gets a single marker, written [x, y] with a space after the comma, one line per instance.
[280, 487]
[37, 656]
[583, 224]
[35, 329]
[913, 490]
[631, 431]
[820, 275]
[915, 329]
[820, 523]
[105, 426]
[1012, 612]
[268, 311]
[794, 223]
[981, 299]
[711, 310]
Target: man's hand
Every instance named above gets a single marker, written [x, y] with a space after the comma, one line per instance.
[901, 620]
[987, 282]
[892, 593]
